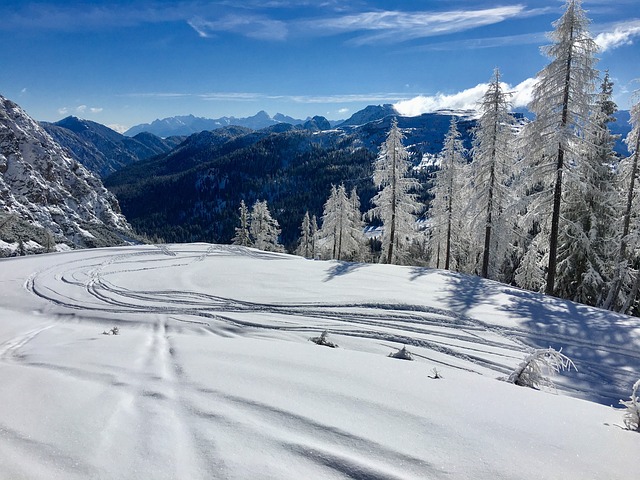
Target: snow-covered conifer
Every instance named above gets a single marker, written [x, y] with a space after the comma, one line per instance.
[264, 228]
[562, 99]
[314, 236]
[626, 279]
[306, 243]
[632, 414]
[492, 159]
[394, 204]
[242, 231]
[586, 235]
[341, 231]
[446, 210]
[530, 272]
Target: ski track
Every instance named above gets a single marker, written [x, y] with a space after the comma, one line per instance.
[151, 396]
[469, 342]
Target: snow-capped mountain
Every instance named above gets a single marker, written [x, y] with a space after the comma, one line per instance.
[46, 197]
[189, 124]
[370, 114]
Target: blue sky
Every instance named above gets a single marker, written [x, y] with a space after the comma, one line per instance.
[124, 62]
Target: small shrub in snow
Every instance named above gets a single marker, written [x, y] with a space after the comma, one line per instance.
[538, 367]
[402, 354]
[113, 331]
[322, 340]
[632, 415]
[436, 374]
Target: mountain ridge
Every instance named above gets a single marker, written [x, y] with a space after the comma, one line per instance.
[190, 124]
[103, 150]
[48, 198]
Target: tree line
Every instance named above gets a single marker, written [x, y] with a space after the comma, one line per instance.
[546, 205]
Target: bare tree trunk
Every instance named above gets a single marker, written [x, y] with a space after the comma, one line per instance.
[557, 191]
[392, 233]
[492, 180]
[626, 226]
[447, 256]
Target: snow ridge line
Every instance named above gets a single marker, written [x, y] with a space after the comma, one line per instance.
[11, 347]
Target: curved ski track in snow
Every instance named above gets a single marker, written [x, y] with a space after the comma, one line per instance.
[91, 286]
[181, 396]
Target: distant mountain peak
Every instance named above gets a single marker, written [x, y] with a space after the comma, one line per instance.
[370, 114]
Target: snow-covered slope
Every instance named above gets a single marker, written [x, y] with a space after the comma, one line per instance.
[42, 187]
[212, 374]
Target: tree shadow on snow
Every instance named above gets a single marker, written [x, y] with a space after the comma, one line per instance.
[342, 268]
[604, 346]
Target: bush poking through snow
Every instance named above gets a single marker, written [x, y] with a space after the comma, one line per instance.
[436, 374]
[539, 366]
[322, 340]
[113, 331]
[402, 354]
[632, 415]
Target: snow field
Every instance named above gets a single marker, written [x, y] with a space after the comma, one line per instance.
[213, 376]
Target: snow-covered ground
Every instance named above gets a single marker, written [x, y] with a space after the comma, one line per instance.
[212, 375]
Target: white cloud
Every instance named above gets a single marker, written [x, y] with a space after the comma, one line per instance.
[523, 93]
[253, 96]
[118, 128]
[464, 100]
[95, 109]
[343, 110]
[395, 26]
[622, 34]
[81, 109]
[252, 26]
[63, 111]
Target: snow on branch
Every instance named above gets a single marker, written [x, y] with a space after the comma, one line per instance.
[539, 366]
[632, 414]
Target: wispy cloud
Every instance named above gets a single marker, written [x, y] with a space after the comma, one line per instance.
[79, 110]
[397, 26]
[256, 19]
[488, 42]
[304, 99]
[619, 34]
[253, 26]
[467, 99]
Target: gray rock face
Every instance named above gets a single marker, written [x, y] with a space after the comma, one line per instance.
[45, 193]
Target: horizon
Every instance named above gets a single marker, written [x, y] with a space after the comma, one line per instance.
[124, 63]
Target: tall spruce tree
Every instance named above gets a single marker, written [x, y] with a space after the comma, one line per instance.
[626, 279]
[492, 159]
[395, 203]
[242, 236]
[306, 244]
[586, 236]
[264, 228]
[341, 231]
[562, 99]
[446, 210]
